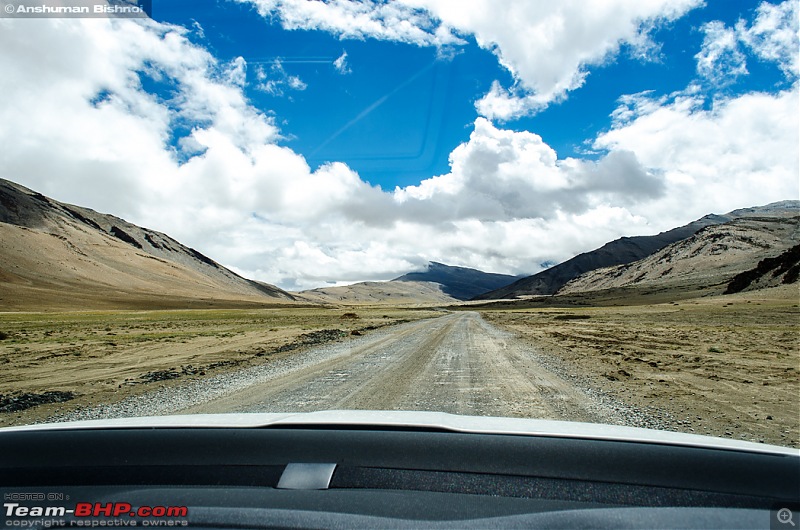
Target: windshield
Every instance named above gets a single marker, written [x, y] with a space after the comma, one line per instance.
[549, 210]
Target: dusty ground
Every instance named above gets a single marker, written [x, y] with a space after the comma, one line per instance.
[726, 366]
[105, 356]
[457, 363]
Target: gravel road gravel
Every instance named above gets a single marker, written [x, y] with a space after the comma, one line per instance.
[457, 363]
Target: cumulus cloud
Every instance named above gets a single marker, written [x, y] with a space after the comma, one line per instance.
[503, 175]
[772, 37]
[503, 104]
[720, 58]
[206, 167]
[743, 150]
[84, 106]
[547, 46]
[257, 206]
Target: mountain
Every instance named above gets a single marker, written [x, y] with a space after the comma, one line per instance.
[437, 284]
[626, 250]
[57, 255]
[405, 293]
[459, 282]
[770, 272]
[708, 259]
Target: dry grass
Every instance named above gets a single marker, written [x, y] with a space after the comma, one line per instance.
[104, 356]
[726, 366]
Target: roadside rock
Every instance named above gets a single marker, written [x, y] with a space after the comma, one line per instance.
[20, 401]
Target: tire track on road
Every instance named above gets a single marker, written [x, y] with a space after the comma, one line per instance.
[456, 363]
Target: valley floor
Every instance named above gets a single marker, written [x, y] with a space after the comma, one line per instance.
[721, 365]
[80, 359]
[725, 366]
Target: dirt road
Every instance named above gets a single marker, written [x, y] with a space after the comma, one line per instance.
[456, 363]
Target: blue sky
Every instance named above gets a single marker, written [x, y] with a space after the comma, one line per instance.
[399, 109]
[394, 116]
[307, 143]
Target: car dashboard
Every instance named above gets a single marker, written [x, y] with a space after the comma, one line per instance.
[340, 474]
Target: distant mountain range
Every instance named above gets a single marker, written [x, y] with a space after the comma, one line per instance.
[706, 260]
[59, 256]
[382, 293]
[437, 284]
[459, 282]
[626, 250]
[54, 254]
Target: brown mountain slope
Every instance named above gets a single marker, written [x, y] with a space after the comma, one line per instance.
[626, 250]
[404, 293]
[708, 259]
[770, 272]
[59, 256]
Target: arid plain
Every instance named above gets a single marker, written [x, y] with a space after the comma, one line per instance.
[726, 366]
[100, 357]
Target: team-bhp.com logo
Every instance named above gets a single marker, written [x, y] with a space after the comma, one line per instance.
[94, 514]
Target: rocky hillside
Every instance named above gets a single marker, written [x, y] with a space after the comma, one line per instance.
[770, 272]
[459, 282]
[405, 293]
[59, 255]
[709, 258]
[627, 250]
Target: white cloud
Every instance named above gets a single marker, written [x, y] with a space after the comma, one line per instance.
[509, 202]
[355, 19]
[502, 104]
[547, 46]
[772, 37]
[340, 64]
[237, 72]
[720, 58]
[744, 150]
[255, 205]
[80, 127]
[84, 106]
[198, 30]
[295, 83]
[277, 79]
[502, 175]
